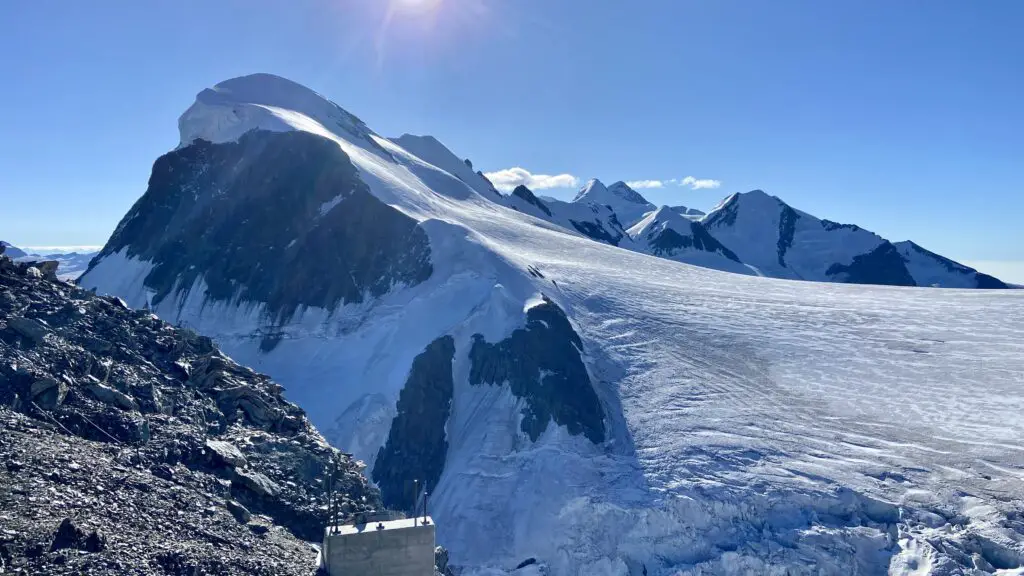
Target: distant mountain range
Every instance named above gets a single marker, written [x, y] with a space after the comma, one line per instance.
[70, 266]
[750, 233]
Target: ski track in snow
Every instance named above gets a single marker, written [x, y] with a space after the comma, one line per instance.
[756, 426]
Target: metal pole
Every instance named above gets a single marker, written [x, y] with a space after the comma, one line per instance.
[415, 497]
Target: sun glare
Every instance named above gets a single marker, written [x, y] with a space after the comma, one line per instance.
[416, 6]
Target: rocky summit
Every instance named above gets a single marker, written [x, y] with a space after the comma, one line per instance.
[129, 446]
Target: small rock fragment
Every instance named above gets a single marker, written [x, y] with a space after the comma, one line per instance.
[241, 513]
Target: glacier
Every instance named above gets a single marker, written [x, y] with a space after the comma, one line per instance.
[753, 425]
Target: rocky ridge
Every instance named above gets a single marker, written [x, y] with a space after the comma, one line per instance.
[129, 446]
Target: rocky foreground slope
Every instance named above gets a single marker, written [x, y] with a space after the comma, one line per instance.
[128, 446]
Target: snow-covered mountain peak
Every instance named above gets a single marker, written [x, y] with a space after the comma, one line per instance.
[667, 233]
[595, 191]
[592, 190]
[663, 217]
[622, 190]
[267, 102]
[692, 213]
[628, 205]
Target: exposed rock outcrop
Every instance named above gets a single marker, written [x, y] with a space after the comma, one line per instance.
[277, 218]
[417, 444]
[542, 364]
[152, 453]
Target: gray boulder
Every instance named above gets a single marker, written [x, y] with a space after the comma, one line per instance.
[48, 269]
[97, 345]
[28, 328]
[48, 393]
[441, 567]
[259, 412]
[108, 395]
[226, 453]
[241, 513]
[255, 482]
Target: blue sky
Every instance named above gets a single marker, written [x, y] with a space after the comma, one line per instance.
[903, 117]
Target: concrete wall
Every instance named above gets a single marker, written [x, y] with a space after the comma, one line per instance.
[401, 549]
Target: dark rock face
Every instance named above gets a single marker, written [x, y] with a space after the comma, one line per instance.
[883, 265]
[597, 232]
[668, 241]
[830, 226]
[416, 447]
[990, 282]
[140, 457]
[787, 228]
[542, 364]
[527, 195]
[239, 216]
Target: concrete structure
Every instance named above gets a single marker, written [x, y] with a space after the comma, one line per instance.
[388, 548]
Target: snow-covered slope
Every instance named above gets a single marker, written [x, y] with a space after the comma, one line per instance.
[668, 234]
[428, 149]
[600, 410]
[627, 203]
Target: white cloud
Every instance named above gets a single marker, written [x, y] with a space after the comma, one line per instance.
[59, 249]
[506, 180]
[700, 183]
[642, 184]
[689, 181]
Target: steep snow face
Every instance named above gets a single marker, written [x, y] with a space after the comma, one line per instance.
[627, 203]
[428, 149]
[742, 425]
[930, 269]
[668, 234]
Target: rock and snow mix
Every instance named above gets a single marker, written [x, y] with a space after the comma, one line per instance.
[691, 422]
[128, 446]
